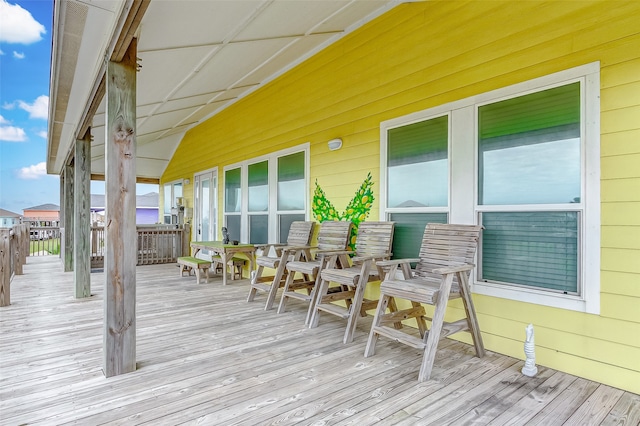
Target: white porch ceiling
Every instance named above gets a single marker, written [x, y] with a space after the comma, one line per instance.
[198, 57]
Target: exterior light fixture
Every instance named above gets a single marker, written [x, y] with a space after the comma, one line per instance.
[335, 144]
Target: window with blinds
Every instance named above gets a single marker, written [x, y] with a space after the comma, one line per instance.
[529, 154]
[536, 249]
[263, 195]
[417, 164]
[524, 162]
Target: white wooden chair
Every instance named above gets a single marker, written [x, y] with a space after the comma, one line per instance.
[276, 256]
[373, 243]
[333, 236]
[442, 273]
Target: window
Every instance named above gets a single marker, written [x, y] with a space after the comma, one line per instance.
[264, 195]
[172, 191]
[529, 169]
[417, 180]
[523, 161]
[258, 202]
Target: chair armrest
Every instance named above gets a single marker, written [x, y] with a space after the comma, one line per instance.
[453, 269]
[374, 257]
[395, 262]
[327, 253]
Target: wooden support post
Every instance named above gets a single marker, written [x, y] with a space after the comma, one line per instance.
[81, 213]
[120, 219]
[5, 267]
[61, 217]
[68, 218]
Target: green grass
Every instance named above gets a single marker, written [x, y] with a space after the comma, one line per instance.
[51, 246]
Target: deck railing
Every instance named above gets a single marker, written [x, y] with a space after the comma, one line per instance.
[44, 240]
[14, 249]
[156, 244]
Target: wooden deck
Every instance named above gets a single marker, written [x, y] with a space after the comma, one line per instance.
[206, 356]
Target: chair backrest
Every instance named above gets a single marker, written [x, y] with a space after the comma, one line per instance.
[334, 235]
[447, 245]
[300, 233]
[374, 238]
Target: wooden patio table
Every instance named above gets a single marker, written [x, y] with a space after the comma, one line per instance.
[226, 253]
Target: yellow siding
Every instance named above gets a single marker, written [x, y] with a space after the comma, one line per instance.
[421, 55]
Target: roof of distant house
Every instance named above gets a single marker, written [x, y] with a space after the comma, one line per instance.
[7, 213]
[148, 201]
[45, 207]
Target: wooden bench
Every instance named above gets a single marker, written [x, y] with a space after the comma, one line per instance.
[236, 264]
[189, 263]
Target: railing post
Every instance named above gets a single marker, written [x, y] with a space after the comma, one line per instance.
[5, 267]
[186, 243]
[17, 256]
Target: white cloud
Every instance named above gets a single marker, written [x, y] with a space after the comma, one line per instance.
[38, 109]
[35, 171]
[1, 52]
[42, 134]
[8, 105]
[18, 25]
[18, 55]
[3, 120]
[12, 134]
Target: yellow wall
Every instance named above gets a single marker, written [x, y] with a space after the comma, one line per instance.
[421, 55]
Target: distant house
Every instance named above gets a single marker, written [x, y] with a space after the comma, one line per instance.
[44, 214]
[147, 206]
[8, 219]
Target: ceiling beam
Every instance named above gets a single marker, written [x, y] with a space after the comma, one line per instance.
[139, 179]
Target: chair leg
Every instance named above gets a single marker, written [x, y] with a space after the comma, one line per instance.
[354, 309]
[433, 336]
[470, 310]
[422, 324]
[312, 298]
[321, 291]
[275, 285]
[373, 336]
[252, 292]
[283, 299]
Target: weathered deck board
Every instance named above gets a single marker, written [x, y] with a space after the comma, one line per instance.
[205, 356]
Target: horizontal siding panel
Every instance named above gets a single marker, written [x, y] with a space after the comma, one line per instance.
[620, 283]
[620, 120]
[620, 166]
[624, 353]
[624, 308]
[620, 190]
[621, 237]
[623, 213]
[499, 313]
[623, 96]
[622, 73]
[620, 143]
[621, 260]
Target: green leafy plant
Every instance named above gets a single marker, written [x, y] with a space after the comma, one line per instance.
[356, 211]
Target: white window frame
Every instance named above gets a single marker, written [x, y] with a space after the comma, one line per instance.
[173, 198]
[463, 181]
[273, 211]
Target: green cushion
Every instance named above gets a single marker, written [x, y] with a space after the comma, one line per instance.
[192, 259]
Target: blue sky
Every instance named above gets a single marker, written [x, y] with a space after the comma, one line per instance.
[25, 56]
[25, 46]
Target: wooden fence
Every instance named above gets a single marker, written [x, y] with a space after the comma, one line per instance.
[156, 244]
[14, 249]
